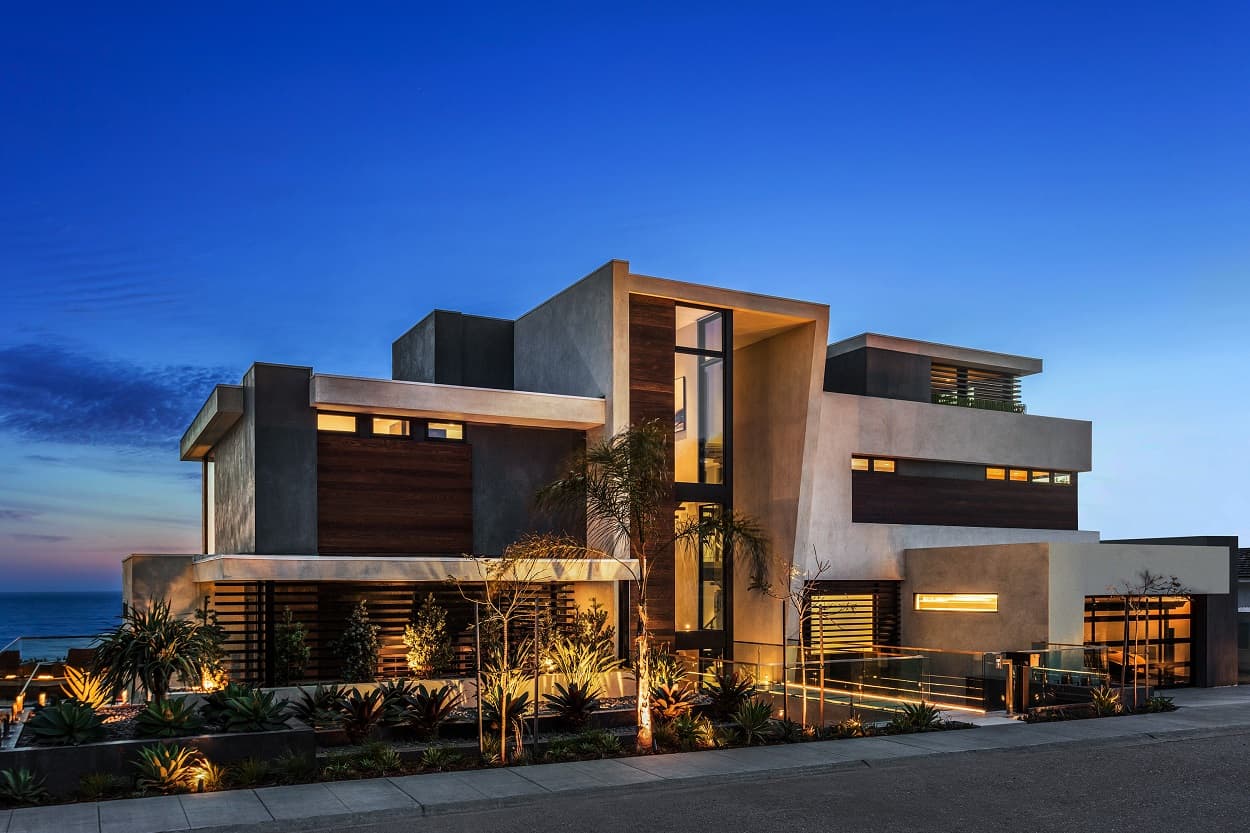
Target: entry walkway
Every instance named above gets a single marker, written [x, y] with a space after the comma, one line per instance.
[1205, 711]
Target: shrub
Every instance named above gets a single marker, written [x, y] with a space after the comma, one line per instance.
[752, 721]
[168, 719]
[21, 787]
[574, 704]
[586, 652]
[851, 727]
[1159, 703]
[426, 710]
[378, 758]
[358, 646]
[318, 708]
[294, 769]
[215, 709]
[394, 699]
[150, 647]
[440, 758]
[68, 723]
[86, 687]
[100, 786]
[666, 669]
[255, 711]
[916, 717]
[427, 639]
[167, 768]
[1106, 701]
[669, 702]
[728, 691]
[250, 772]
[359, 714]
[788, 731]
[291, 651]
[209, 777]
[599, 742]
[689, 732]
[212, 656]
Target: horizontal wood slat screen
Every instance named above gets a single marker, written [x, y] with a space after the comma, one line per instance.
[851, 615]
[394, 496]
[884, 498]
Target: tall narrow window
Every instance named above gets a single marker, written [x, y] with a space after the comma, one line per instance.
[699, 602]
[699, 397]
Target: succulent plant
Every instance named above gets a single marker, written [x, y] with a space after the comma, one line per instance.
[68, 723]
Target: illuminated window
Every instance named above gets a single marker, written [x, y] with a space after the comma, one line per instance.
[957, 602]
[445, 431]
[1063, 478]
[336, 422]
[1020, 475]
[992, 473]
[883, 465]
[390, 427]
[1041, 477]
[859, 464]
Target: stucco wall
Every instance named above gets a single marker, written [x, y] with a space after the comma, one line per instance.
[147, 578]
[510, 465]
[564, 345]
[234, 479]
[286, 461]
[1016, 572]
[412, 354]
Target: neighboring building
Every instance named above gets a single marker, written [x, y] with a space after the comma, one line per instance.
[946, 513]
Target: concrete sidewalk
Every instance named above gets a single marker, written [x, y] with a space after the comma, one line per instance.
[1206, 711]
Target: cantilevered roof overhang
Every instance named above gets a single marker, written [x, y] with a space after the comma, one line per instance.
[464, 404]
[962, 356]
[401, 568]
[221, 411]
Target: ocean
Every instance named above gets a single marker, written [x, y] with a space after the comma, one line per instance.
[57, 614]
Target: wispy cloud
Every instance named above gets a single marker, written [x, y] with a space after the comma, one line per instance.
[17, 514]
[36, 537]
[55, 394]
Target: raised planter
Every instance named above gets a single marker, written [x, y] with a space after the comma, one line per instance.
[64, 766]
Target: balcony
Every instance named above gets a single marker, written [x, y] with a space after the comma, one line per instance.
[940, 397]
[970, 387]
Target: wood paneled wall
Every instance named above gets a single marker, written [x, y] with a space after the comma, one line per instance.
[393, 496]
[652, 337]
[878, 497]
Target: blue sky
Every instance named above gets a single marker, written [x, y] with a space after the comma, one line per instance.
[185, 193]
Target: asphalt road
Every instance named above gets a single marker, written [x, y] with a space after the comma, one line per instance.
[1191, 785]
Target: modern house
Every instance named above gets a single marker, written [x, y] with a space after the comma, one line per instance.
[943, 514]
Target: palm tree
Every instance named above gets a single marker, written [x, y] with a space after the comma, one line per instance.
[625, 485]
[151, 646]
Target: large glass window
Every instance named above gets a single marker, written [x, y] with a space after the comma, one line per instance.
[1158, 631]
[699, 602]
[699, 397]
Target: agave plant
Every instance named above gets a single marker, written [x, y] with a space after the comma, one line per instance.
[86, 687]
[1106, 701]
[168, 719]
[669, 702]
[574, 704]
[152, 646]
[440, 758]
[214, 709]
[851, 727]
[425, 710]
[256, 711]
[21, 786]
[320, 707]
[378, 758]
[68, 723]
[728, 690]
[753, 721]
[360, 713]
[394, 694]
[689, 732]
[917, 717]
[168, 768]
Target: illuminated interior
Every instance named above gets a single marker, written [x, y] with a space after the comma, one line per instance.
[957, 602]
[390, 426]
[699, 568]
[699, 397]
[1020, 475]
[883, 465]
[1160, 637]
[341, 423]
[859, 464]
[445, 430]
[993, 473]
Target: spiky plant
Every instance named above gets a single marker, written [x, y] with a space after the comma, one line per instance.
[425, 710]
[255, 711]
[168, 719]
[167, 768]
[440, 758]
[851, 727]
[359, 714]
[250, 772]
[21, 787]
[690, 732]
[574, 704]
[209, 777]
[318, 708]
[68, 723]
[215, 708]
[671, 702]
[917, 717]
[727, 690]
[99, 786]
[1106, 701]
[378, 758]
[394, 699]
[152, 646]
[753, 721]
[86, 687]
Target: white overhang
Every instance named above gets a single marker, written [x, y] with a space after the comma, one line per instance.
[400, 568]
[960, 356]
[464, 404]
[220, 412]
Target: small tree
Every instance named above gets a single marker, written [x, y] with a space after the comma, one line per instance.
[358, 646]
[1137, 594]
[794, 595]
[291, 651]
[213, 674]
[151, 646]
[427, 639]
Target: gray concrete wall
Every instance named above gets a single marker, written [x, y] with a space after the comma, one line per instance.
[412, 354]
[510, 465]
[565, 344]
[234, 479]
[286, 461]
[1018, 573]
[148, 578]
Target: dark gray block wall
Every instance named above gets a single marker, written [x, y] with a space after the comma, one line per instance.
[1214, 616]
[889, 374]
[452, 348]
[510, 465]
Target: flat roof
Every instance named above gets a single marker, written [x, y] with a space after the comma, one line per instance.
[962, 356]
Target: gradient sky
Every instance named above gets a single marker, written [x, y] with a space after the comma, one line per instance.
[186, 193]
